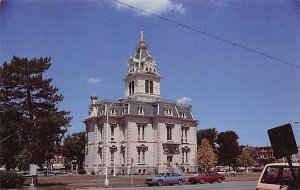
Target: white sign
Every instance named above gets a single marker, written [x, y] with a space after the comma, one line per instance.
[32, 169]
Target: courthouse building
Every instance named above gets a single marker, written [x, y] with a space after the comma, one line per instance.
[140, 129]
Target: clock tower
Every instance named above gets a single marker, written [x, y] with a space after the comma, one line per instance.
[142, 82]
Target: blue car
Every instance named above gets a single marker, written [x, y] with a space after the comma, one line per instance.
[166, 178]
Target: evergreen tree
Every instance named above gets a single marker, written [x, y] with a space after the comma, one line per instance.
[228, 149]
[34, 122]
[206, 157]
[74, 148]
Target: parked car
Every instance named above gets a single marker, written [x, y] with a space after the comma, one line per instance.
[167, 178]
[279, 176]
[207, 177]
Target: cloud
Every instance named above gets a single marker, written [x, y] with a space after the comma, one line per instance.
[183, 100]
[93, 80]
[152, 6]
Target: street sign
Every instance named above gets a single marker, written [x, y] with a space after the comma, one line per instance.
[283, 141]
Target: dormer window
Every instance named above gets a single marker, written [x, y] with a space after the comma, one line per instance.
[125, 109]
[102, 111]
[182, 114]
[168, 110]
[140, 110]
[113, 111]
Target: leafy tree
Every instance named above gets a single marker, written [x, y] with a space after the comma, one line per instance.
[206, 157]
[29, 112]
[209, 134]
[228, 149]
[245, 159]
[74, 148]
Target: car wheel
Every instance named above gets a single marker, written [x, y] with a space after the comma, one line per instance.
[219, 180]
[180, 182]
[202, 181]
[160, 183]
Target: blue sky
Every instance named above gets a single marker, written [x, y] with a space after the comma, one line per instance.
[229, 88]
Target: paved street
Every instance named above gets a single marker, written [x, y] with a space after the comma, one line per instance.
[246, 185]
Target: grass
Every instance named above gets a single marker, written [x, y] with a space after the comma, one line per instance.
[68, 182]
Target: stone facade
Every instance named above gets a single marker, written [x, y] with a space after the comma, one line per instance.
[140, 129]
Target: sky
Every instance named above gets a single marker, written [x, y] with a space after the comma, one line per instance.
[208, 52]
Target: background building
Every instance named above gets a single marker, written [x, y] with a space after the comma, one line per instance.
[152, 133]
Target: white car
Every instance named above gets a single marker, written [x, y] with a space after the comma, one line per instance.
[279, 176]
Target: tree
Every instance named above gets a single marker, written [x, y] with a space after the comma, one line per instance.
[74, 148]
[29, 112]
[228, 149]
[206, 157]
[245, 159]
[210, 134]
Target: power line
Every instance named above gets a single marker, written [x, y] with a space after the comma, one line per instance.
[210, 35]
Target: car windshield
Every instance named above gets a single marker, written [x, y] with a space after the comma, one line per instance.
[160, 175]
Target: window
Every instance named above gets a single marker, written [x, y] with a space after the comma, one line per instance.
[113, 111]
[123, 156]
[100, 134]
[140, 110]
[185, 157]
[131, 87]
[112, 157]
[102, 111]
[141, 132]
[112, 132]
[124, 110]
[141, 155]
[182, 114]
[279, 175]
[184, 136]
[168, 110]
[149, 86]
[169, 132]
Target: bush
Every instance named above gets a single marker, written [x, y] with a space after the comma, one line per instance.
[11, 179]
[82, 172]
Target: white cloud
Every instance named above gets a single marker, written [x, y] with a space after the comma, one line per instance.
[93, 80]
[152, 6]
[183, 100]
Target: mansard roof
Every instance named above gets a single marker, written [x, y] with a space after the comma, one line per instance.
[157, 108]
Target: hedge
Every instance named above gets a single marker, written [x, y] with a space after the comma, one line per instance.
[11, 179]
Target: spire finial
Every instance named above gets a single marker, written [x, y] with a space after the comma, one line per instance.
[142, 36]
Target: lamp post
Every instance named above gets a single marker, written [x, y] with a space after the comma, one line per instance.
[106, 182]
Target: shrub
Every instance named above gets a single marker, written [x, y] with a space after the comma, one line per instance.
[11, 179]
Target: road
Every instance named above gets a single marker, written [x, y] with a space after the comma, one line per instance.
[245, 185]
